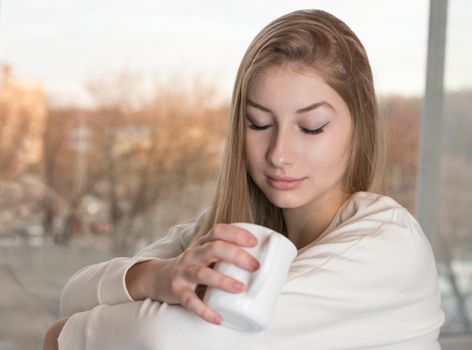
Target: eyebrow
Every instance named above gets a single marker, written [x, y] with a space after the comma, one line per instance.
[299, 111]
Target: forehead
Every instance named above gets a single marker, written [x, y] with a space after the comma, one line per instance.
[291, 87]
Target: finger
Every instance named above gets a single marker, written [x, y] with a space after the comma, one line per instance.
[192, 303]
[208, 277]
[232, 234]
[227, 252]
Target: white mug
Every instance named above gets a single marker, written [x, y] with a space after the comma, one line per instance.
[252, 310]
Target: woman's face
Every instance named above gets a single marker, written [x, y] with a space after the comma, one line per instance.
[298, 133]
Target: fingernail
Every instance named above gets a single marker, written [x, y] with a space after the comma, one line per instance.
[217, 319]
[251, 241]
[238, 286]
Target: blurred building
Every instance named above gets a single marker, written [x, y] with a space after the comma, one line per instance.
[23, 111]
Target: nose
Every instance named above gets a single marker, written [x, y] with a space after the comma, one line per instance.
[280, 152]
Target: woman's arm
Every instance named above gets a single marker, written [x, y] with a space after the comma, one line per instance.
[108, 282]
[149, 325]
[122, 326]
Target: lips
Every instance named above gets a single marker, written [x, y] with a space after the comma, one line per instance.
[283, 178]
[283, 182]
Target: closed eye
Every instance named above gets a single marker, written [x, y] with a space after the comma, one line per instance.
[305, 130]
[257, 127]
[314, 131]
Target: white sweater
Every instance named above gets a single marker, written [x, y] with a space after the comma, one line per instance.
[368, 282]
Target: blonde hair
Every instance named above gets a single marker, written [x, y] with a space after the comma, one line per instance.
[303, 38]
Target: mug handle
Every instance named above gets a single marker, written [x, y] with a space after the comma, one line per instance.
[272, 248]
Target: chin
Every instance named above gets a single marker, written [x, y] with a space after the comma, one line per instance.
[283, 200]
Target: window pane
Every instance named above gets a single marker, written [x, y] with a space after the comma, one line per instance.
[454, 243]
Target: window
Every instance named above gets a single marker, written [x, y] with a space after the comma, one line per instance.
[104, 146]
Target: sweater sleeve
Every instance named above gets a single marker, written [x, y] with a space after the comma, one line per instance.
[104, 283]
[375, 289]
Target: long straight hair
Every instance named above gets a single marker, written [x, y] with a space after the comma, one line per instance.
[306, 39]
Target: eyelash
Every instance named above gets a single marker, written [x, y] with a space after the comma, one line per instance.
[306, 131]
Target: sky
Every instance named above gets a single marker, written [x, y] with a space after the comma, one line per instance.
[64, 44]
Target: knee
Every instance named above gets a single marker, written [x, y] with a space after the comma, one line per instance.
[50, 339]
[145, 327]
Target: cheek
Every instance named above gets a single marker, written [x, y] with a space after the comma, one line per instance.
[252, 149]
[329, 154]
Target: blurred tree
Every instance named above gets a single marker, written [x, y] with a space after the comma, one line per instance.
[402, 116]
[130, 151]
[22, 117]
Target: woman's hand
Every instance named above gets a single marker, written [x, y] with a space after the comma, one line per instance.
[179, 277]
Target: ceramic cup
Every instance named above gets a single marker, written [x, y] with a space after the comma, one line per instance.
[252, 310]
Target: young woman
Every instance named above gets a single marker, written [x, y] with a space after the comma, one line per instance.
[304, 147]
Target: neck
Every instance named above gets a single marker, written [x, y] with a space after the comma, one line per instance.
[305, 224]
